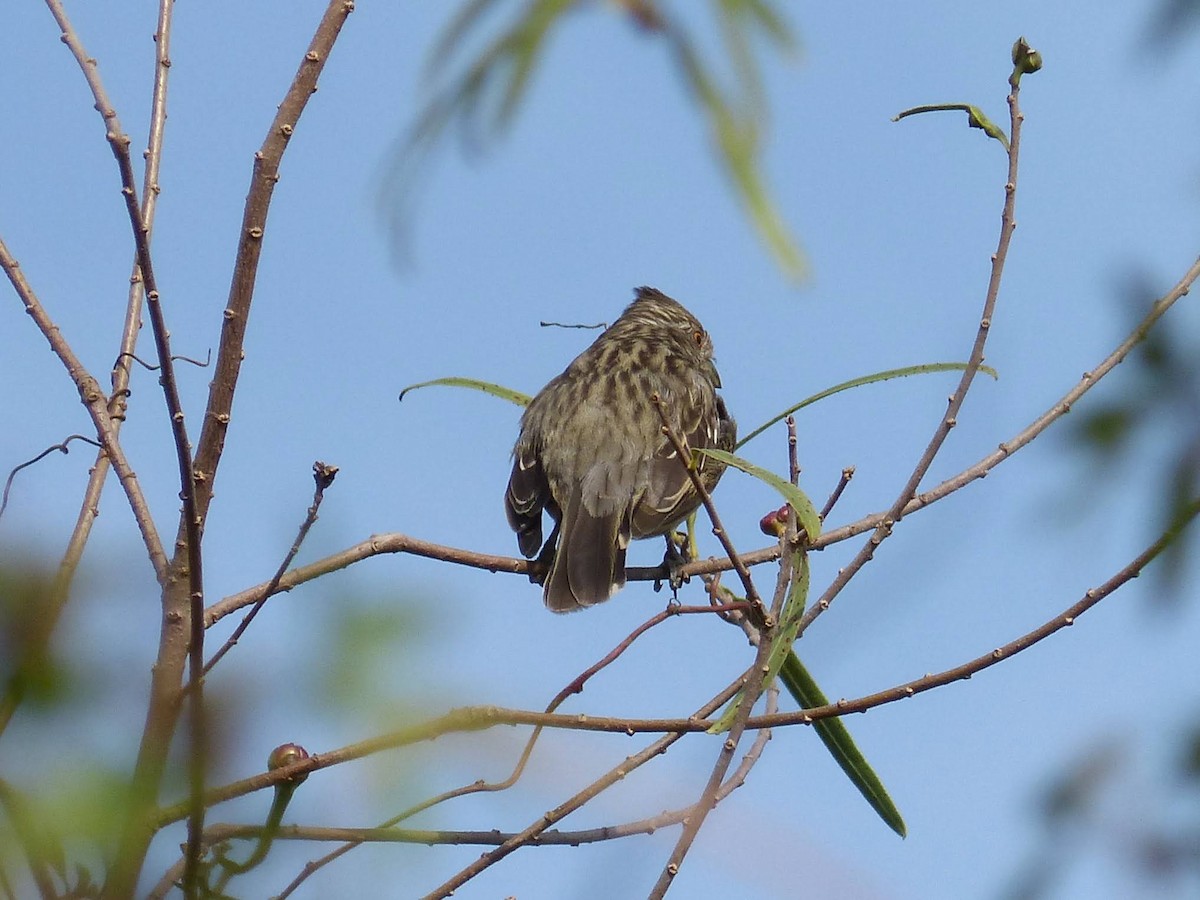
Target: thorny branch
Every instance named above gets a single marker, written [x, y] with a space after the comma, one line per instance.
[468, 719]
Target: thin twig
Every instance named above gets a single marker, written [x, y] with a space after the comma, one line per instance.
[191, 564]
[168, 669]
[684, 455]
[618, 773]
[950, 418]
[1065, 619]
[323, 475]
[61, 447]
[389, 834]
[483, 717]
[96, 402]
[263, 180]
[575, 686]
[843, 482]
[753, 684]
[149, 367]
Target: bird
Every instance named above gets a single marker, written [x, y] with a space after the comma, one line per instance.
[591, 450]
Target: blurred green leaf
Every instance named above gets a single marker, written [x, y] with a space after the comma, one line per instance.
[1105, 430]
[489, 89]
[30, 670]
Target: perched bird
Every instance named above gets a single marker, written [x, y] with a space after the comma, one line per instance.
[592, 453]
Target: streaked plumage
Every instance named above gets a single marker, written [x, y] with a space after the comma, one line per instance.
[591, 451]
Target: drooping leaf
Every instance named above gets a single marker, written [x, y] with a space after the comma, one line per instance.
[487, 387]
[806, 513]
[836, 738]
[904, 372]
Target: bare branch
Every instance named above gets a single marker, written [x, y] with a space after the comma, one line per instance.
[254, 222]
[97, 406]
[323, 474]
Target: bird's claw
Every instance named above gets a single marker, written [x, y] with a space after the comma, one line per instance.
[674, 560]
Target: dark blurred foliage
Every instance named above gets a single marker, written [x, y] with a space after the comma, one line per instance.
[1159, 406]
[28, 670]
[1086, 810]
[1173, 20]
[1102, 805]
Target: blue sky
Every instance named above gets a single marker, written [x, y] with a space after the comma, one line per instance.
[606, 182]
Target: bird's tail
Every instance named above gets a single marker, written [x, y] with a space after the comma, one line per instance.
[589, 565]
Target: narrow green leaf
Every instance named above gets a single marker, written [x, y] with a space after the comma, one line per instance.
[784, 637]
[904, 372]
[495, 390]
[836, 738]
[790, 616]
[975, 118]
[806, 513]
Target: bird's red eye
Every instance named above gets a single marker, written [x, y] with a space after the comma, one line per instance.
[698, 336]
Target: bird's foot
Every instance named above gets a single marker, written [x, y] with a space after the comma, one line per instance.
[539, 569]
[675, 559]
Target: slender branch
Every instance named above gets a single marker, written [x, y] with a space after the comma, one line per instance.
[354, 837]
[684, 455]
[484, 717]
[175, 644]
[539, 826]
[250, 242]
[843, 483]
[96, 402]
[323, 474]
[753, 685]
[1065, 619]
[191, 563]
[575, 686]
[949, 419]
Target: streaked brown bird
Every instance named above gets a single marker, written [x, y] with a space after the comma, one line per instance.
[592, 452]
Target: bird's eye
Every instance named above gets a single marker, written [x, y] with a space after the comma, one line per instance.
[698, 336]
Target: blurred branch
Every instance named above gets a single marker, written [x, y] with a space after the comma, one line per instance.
[574, 687]
[33, 844]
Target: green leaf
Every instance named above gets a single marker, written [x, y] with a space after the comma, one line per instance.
[735, 135]
[836, 738]
[975, 118]
[782, 661]
[806, 513]
[782, 640]
[487, 387]
[904, 372]
[790, 616]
